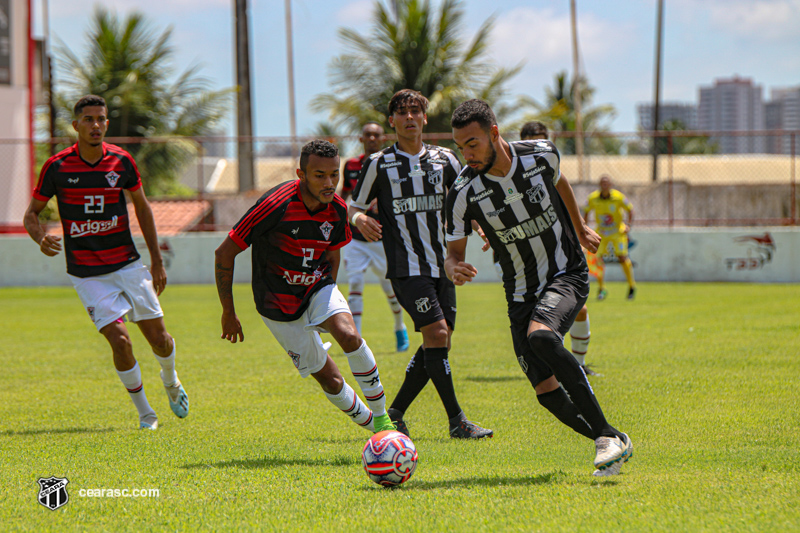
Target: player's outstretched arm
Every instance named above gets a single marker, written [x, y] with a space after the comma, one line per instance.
[588, 238]
[457, 270]
[49, 245]
[368, 226]
[144, 213]
[224, 261]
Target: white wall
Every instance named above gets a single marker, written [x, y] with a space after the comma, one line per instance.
[686, 254]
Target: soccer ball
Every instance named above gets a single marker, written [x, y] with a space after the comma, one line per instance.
[389, 458]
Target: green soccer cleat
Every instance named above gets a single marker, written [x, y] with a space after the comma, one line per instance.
[383, 423]
[602, 294]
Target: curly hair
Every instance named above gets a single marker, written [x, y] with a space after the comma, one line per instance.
[318, 147]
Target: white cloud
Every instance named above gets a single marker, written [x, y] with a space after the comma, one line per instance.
[68, 8]
[355, 14]
[756, 21]
[543, 39]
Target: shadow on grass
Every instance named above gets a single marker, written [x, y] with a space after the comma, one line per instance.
[495, 379]
[274, 462]
[552, 478]
[14, 433]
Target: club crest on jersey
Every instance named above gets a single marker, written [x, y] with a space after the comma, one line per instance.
[461, 182]
[423, 305]
[512, 196]
[295, 358]
[435, 177]
[90, 310]
[326, 229]
[112, 178]
[53, 492]
[536, 194]
[416, 172]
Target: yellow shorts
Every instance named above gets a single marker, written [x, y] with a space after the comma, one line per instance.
[616, 243]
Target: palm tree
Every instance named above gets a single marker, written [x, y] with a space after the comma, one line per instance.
[129, 63]
[420, 49]
[558, 112]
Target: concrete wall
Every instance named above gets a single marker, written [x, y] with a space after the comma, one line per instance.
[768, 254]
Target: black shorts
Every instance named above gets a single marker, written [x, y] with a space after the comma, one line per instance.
[427, 300]
[557, 306]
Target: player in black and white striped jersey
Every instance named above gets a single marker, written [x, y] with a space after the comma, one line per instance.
[529, 214]
[410, 180]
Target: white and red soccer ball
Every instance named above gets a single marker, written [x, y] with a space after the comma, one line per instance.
[389, 458]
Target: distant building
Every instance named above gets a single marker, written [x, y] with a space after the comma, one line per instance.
[667, 112]
[782, 112]
[734, 105]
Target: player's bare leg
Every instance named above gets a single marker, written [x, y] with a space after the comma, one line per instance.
[400, 331]
[129, 372]
[163, 346]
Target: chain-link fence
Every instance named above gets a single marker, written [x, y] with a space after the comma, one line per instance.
[696, 179]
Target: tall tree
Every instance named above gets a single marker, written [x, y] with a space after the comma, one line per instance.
[130, 64]
[419, 48]
[558, 112]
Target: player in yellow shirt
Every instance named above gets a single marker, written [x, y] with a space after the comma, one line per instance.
[608, 205]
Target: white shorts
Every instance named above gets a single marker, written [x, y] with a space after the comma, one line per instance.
[127, 291]
[360, 255]
[300, 338]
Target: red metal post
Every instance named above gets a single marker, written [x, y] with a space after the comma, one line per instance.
[792, 177]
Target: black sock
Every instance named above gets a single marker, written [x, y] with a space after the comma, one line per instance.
[438, 368]
[415, 380]
[558, 403]
[548, 347]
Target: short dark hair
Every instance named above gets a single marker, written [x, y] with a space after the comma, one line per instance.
[473, 111]
[532, 129]
[371, 123]
[318, 147]
[405, 97]
[88, 101]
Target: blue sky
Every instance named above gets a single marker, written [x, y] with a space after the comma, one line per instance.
[703, 40]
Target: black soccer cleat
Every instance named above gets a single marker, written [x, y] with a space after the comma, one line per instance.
[588, 371]
[464, 429]
[397, 418]
[631, 293]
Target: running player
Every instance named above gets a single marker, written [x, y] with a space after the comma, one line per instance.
[517, 194]
[88, 180]
[360, 254]
[409, 180]
[608, 205]
[296, 230]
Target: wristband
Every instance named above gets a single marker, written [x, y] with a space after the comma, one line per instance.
[355, 217]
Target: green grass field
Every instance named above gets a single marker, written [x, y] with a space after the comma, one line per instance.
[703, 377]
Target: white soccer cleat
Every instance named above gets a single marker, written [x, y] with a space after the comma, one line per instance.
[149, 422]
[609, 451]
[615, 468]
[327, 346]
[178, 399]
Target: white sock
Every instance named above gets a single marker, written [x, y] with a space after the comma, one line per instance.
[168, 375]
[355, 299]
[365, 370]
[132, 379]
[580, 335]
[348, 401]
[386, 285]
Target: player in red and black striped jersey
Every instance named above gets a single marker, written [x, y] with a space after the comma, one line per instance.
[361, 254]
[89, 181]
[297, 230]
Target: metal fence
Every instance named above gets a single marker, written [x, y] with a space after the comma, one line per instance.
[691, 182]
